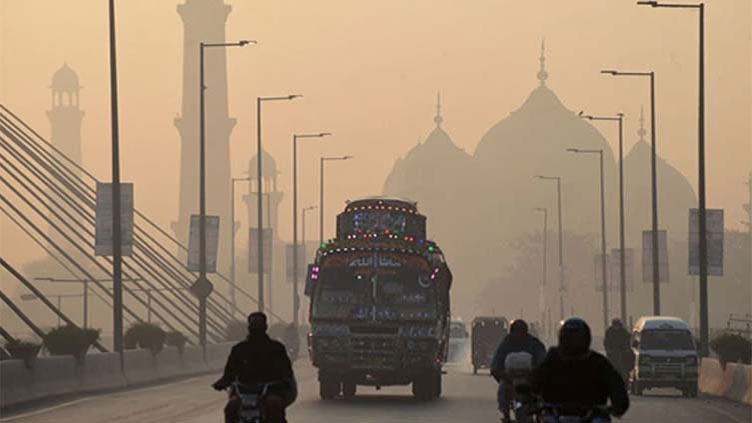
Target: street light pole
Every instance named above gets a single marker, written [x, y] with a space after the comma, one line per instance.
[704, 329]
[561, 243]
[117, 252]
[260, 187]
[295, 295]
[202, 184]
[653, 186]
[303, 240]
[622, 266]
[233, 300]
[321, 194]
[545, 268]
[603, 233]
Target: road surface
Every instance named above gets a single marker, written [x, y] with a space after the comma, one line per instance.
[467, 398]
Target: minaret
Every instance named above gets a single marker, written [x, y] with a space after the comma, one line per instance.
[65, 118]
[542, 74]
[65, 114]
[204, 21]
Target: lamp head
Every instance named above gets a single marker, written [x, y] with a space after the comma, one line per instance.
[573, 150]
[348, 157]
[609, 72]
[648, 3]
[324, 134]
[620, 114]
[245, 42]
[294, 96]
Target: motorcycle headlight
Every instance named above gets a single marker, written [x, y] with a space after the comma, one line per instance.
[644, 359]
[692, 360]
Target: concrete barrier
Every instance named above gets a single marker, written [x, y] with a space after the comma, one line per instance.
[170, 363]
[101, 371]
[55, 376]
[734, 382]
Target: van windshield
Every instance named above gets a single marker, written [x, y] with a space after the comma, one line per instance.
[667, 339]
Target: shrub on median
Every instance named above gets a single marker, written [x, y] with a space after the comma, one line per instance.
[146, 336]
[732, 348]
[176, 339]
[70, 340]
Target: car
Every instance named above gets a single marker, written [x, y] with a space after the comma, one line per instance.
[665, 355]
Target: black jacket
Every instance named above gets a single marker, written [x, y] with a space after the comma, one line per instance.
[617, 339]
[588, 381]
[259, 359]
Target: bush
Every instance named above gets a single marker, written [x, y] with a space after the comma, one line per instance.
[23, 350]
[146, 335]
[236, 331]
[732, 348]
[70, 340]
[176, 339]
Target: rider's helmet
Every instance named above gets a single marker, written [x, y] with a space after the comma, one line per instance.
[257, 322]
[574, 337]
[518, 327]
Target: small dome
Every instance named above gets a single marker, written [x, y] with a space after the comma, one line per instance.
[268, 166]
[65, 79]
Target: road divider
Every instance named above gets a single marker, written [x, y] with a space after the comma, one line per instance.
[52, 377]
[734, 382]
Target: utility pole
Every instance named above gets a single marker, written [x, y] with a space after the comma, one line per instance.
[117, 253]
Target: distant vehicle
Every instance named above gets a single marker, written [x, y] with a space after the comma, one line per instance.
[487, 333]
[379, 302]
[665, 355]
[457, 339]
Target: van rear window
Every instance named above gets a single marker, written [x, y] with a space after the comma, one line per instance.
[666, 339]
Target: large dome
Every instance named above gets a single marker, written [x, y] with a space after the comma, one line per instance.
[675, 194]
[434, 173]
[532, 141]
[65, 79]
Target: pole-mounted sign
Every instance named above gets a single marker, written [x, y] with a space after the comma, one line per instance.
[714, 239]
[104, 234]
[212, 241]
[647, 257]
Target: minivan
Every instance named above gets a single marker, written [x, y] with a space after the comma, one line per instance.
[665, 355]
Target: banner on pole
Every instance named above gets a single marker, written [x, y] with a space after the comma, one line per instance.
[103, 239]
[289, 260]
[598, 274]
[253, 250]
[647, 257]
[614, 274]
[714, 239]
[212, 241]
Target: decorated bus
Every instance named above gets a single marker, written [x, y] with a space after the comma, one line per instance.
[379, 308]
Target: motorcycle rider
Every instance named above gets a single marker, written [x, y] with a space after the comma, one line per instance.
[518, 340]
[256, 360]
[618, 349]
[572, 373]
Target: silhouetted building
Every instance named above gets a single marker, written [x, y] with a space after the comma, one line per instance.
[431, 173]
[65, 117]
[675, 195]
[204, 21]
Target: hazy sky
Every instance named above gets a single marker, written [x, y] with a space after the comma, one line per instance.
[370, 71]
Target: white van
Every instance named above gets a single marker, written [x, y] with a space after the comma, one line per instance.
[665, 355]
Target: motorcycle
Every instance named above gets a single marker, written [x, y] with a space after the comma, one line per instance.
[573, 413]
[517, 369]
[250, 399]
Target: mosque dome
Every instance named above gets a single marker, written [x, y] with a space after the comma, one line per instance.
[675, 194]
[532, 141]
[268, 166]
[65, 79]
